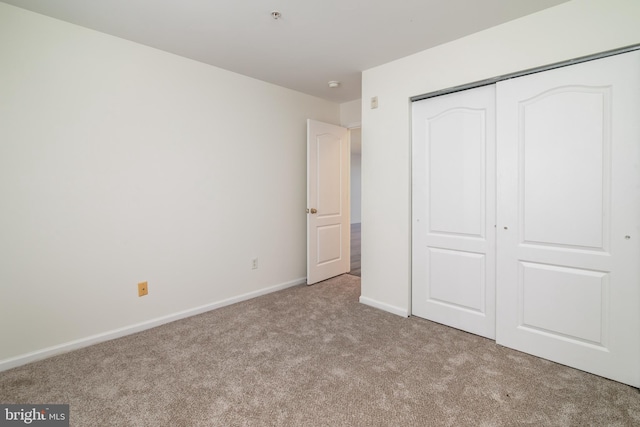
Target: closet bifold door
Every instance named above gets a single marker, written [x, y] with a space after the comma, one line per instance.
[568, 216]
[453, 210]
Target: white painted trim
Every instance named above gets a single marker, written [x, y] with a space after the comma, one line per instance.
[385, 307]
[138, 327]
[354, 125]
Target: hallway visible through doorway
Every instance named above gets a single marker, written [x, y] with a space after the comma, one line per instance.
[355, 249]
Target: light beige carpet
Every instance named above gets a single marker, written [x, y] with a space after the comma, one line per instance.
[314, 356]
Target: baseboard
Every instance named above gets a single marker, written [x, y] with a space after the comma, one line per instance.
[138, 327]
[385, 307]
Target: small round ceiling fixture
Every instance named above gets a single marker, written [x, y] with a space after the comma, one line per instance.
[334, 83]
[276, 15]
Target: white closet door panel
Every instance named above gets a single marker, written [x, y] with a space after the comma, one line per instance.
[568, 214]
[457, 278]
[453, 261]
[557, 127]
[456, 143]
[549, 295]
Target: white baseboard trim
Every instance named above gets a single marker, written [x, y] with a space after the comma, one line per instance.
[386, 307]
[138, 327]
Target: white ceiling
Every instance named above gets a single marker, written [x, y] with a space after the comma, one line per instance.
[314, 41]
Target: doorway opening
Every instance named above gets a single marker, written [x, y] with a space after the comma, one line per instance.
[355, 135]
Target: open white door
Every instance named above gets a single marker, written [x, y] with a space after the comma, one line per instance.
[327, 201]
[453, 238]
[568, 209]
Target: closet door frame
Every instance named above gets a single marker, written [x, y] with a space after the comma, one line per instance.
[634, 378]
[526, 72]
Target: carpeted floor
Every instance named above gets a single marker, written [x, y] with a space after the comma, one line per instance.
[314, 356]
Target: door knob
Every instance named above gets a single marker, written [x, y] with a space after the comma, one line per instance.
[314, 210]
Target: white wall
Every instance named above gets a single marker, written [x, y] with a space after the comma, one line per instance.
[120, 163]
[351, 113]
[573, 29]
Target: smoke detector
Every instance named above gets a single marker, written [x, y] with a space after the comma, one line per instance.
[276, 15]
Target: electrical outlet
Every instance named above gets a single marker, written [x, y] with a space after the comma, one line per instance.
[143, 289]
[374, 102]
[254, 263]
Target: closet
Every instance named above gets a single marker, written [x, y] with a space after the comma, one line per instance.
[526, 213]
